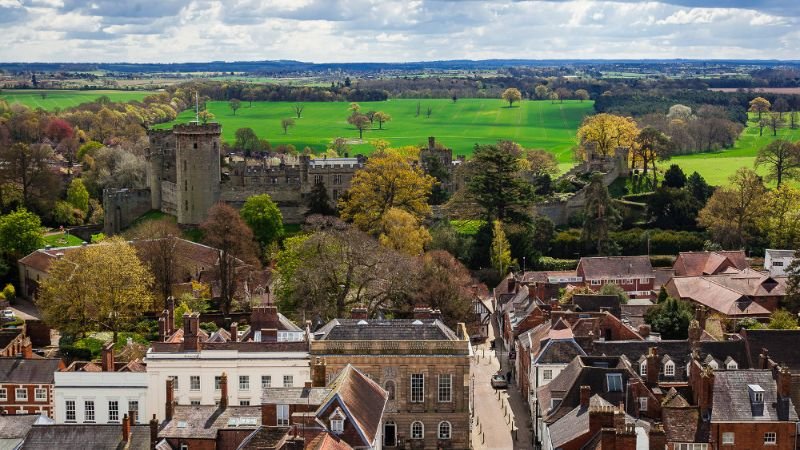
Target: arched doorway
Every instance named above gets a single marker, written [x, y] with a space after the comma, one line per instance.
[389, 434]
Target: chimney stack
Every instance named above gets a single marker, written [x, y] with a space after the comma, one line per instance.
[191, 332]
[318, 373]
[223, 387]
[763, 359]
[586, 394]
[153, 432]
[422, 312]
[784, 382]
[644, 330]
[126, 428]
[358, 312]
[170, 403]
[234, 332]
[694, 332]
[27, 348]
[264, 316]
[107, 362]
[652, 366]
[170, 315]
[658, 438]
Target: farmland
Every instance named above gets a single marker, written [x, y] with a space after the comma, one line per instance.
[65, 99]
[459, 125]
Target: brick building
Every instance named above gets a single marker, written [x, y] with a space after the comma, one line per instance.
[422, 364]
[26, 383]
[633, 274]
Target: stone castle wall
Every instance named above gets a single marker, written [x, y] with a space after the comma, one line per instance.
[122, 206]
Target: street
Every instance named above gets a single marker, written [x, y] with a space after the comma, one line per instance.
[499, 413]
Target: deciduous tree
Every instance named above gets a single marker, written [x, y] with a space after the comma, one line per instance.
[775, 122]
[28, 166]
[157, 247]
[542, 92]
[401, 231]
[649, 146]
[782, 159]
[78, 196]
[286, 124]
[387, 181]
[607, 132]
[298, 110]
[782, 224]
[600, 218]
[103, 287]
[382, 118]
[235, 104]
[263, 217]
[20, 234]
[511, 95]
[582, 94]
[225, 230]
[361, 122]
[759, 105]
[733, 211]
[500, 252]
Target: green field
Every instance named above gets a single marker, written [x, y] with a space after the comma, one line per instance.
[717, 167]
[460, 125]
[65, 99]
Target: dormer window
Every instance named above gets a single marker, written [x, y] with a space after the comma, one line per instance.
[756, 399]
[669, 369]
[337, 421]
[732, 365]
[614, 382]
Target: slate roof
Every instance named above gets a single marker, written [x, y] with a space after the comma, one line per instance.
[575, 423]
[385, 330]
[82, 436]
[264, 437]
[708, 263]
[606, 267]
[731, 401]
[782, 345]
[203, 422]
[17, 426]
[683, 424]
[596, 303]
[28, 371]
[294, 395]
[558, 347]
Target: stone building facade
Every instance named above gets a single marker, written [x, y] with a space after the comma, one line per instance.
[422, 364]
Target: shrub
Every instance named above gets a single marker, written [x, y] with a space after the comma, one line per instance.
[549, 263]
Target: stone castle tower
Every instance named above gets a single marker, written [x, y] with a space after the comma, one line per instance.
[184, 170]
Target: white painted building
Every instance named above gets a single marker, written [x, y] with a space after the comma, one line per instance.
[272, 352]
[100, 397]
[777, 261]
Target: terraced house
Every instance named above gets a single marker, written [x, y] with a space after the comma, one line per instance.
[423, 365]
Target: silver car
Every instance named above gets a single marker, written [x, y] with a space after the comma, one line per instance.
[499, 381]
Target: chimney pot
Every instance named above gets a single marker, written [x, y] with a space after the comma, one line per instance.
[126, 428]
[107, 362]
[234, 332]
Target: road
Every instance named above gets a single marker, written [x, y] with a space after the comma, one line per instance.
[499, 414]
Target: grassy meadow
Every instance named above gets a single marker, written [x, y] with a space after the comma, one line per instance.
[459, 125]
[65, 99]
[718, 166]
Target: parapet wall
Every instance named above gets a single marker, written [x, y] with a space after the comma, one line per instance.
[122, 206]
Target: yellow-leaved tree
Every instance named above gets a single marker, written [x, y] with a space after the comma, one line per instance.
[607, 132]
[388, 180]
[403, 232]
[103, 287]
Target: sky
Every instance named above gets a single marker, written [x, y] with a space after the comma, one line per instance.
[395, 30]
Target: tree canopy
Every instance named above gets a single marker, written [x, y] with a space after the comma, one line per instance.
[600, 218]
[262, 215]
[511, 95]
[733, 212]
[606, 132]
[496, 183]
[671, 318]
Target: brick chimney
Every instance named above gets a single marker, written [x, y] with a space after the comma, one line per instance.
[783, 380]
[619, 418]
[422, 312]
[644, 330]
[191, 332]
[170, 403]
[600, 417]
[27, 348]
[162, 327]
[658, 438]
[694, 332]
[705, 398]
[223, 387]
[652, 365]
[234, 332]
[264, 316]
[107, 361]
[126, 428]
[358, 313]
[153, 432]
[763, 359]
[700, 314]
[626, 437]
[318, 372]
[586, 394]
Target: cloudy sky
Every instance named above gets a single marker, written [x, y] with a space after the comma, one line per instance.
[394, 30]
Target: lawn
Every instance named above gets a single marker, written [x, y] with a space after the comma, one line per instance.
[459, 125]
[65, 99]
[62, 240]
[717, 167]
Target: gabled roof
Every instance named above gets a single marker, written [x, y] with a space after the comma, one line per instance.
[264, 437]
[203, 422]
[711, 292]
[596, 303]
[83, 436]
[708, 263]
[782, 346]
[361, 399]
[732, 403]
[28, 371]
[575, 423]
[606, 267]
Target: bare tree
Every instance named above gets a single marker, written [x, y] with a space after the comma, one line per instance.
[775, 121]
[298, 109]
[156, 243]
[428, 112]
[286, 124]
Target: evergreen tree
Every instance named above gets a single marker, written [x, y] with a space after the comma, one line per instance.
[698, 187]
[318, 201]
[671, 318]
[674, 177]
[434, 167]
[496, 184]
[601, 217]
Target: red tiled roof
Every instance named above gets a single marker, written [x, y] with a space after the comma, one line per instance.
[708, 263]
[363, 398]
[607, 267]
[709, 292]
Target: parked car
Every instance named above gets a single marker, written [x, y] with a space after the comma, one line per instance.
[499, 381]
[7, 315]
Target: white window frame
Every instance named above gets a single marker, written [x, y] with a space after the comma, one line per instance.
[88, 411]
[244, 402]
[70, 411]
[609, 377]
[643, 368]
[282, 414]
[40, 398]
[691, 446]
[595, 282]
[175, 382]
[669, 369]
[417, 392]
[217, 383]
[445, 387]
[547, 374]
[337, 426]
[733, 365]
[421, 434]
[266, 381]
[244, 382]
[758, 397]
[644, 280]
[728, 438]
[770, 438]
[3, 394]
[113, 413]
[133, 410]
[18, 397]
[288, 381]
[449, 430]
[642, 403]
[184, 446]
[194, 382]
